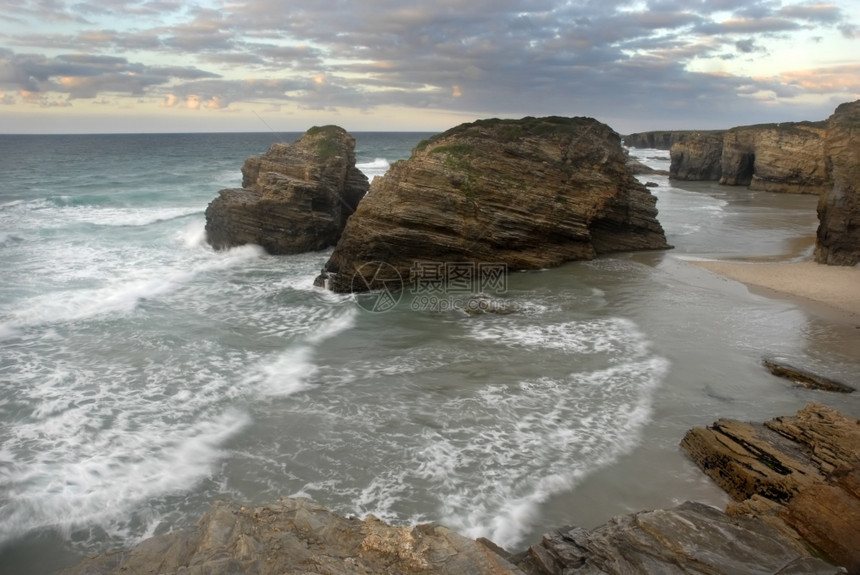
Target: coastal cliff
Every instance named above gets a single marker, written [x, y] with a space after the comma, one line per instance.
[838, 241]
[529, 194]
[786, 158]
[797, 481]
[662, 139]
[294, 198]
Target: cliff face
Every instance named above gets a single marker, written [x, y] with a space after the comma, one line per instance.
[786, 158]
[698, 157]
[528, 193]
[838, 240]
[294, 198]
[662, 139]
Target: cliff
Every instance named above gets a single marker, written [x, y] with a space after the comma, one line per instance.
[294, 198]
[662, 139]
[800, 474]
[529, 194]
[698, 157]
[787, 157]
[838, 241]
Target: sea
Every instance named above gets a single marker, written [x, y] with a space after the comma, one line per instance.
[144, 375]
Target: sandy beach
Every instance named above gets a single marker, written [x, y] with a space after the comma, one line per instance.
[834, 286]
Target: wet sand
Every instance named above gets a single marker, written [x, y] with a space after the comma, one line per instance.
[835, 286]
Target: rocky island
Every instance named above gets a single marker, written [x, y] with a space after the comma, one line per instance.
[294, 198]
[529, 194]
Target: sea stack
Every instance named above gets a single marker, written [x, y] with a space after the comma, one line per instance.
[838, 241]
[294, 198]
[529, 194]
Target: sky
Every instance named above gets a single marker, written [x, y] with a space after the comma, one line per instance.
[284, 65]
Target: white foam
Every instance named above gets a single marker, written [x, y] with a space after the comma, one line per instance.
[285, 374]
[378, 167]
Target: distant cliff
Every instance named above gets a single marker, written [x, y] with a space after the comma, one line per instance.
[662, 139]
[787, 157]
[838, 239]
[529, 194]
[294, 198]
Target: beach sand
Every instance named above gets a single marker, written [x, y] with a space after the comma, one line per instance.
[835, 286]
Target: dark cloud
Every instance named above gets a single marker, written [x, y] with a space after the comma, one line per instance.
[484, 56]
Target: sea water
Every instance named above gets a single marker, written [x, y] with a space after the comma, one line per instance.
[144, 375]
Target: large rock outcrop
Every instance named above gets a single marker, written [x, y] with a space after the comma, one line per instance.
[530, 193]
[838, 240]
[689, 539]
[787, 157]
[697, 157]
[294, 198]
[800, 474]
[295, 537]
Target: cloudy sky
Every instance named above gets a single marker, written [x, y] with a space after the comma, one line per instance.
[284, 65]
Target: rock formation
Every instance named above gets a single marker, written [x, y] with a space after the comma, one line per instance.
[530, 193]
[787, 157]
[838, 240]
[800, 474]
[661, 139]
[297, 536]
[697, 157]
[690, 538]
[294, 198]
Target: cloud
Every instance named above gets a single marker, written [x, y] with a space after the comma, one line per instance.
[488, 57]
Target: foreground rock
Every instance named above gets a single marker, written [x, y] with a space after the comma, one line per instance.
[690, 538]
[528, 194]
[838, 241]
[800, 474]
[294, 198]
[297, 536]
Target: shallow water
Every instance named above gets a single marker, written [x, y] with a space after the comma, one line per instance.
[144, 375]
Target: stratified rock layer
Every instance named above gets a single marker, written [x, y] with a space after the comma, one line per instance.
[294, 198]
[690, 538]
[801, 474]
[786, 158]
[839, 209]
[530, 193]
[297, 536]
[697, 157]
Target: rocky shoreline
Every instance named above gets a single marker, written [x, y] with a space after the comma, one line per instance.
[796, 482]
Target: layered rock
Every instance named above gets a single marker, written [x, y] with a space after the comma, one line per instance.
[838, 241]
[690, 538]
[698, 157]
[530, 193]
[786, 158]
[297, 536]
[800, 474]
[294, 198]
